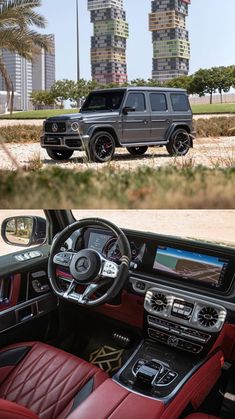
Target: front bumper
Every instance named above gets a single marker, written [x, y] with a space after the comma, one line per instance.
[68, 142]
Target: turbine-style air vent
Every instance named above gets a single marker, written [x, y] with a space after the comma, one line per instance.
[158, 302]
[208, 316]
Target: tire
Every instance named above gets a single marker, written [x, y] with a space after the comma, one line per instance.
[101, 147]
[137, 151]
[59, 154]
[179, 143]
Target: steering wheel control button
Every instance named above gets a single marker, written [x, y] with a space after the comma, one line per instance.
[110, 270]
[63, 258]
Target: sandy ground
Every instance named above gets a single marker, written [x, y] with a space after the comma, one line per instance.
[211, 225]
[208, 152]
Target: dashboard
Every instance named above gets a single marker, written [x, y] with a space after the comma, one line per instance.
[168, 259]
[186, 265]
[187, 286]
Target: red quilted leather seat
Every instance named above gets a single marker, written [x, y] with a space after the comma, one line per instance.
[46, 381]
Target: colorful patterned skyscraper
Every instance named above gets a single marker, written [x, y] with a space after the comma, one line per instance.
[108, 44]
[171, 47]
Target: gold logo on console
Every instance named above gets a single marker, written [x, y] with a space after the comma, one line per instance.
[107, 358]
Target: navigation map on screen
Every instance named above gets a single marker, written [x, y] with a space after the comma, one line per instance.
[190, 265]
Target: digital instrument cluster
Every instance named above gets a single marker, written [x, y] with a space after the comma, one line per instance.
[108, 246]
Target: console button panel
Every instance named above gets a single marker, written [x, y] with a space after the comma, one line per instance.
[179, 330]
[193, 313]
[175, 341]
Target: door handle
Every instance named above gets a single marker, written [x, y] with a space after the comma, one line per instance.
[145, 121]
[168, 121]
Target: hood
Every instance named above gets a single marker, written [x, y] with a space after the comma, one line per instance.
[100, 116]
[65, 117]
[95, 117]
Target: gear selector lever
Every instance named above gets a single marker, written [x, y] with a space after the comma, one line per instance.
[148, 372]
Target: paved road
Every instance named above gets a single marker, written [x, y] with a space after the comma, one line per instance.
[209, 152]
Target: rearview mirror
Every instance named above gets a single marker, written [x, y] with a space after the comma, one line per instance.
[24, 231]
[128, 109]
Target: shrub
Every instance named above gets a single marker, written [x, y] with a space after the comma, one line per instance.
[141, 188]
[21, 133]
[215, 127]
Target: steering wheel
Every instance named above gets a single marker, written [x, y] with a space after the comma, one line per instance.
[88, 267]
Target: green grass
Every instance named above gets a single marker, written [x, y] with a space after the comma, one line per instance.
[197, 109]
[114, 188]
[214, 108]
[38, 114]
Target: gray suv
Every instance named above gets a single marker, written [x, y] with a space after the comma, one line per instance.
[131, 117]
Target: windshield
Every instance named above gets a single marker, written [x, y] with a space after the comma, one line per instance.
[214, 226]
[103, 101]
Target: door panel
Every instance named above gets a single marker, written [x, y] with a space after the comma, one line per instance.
[160, 116]
[25, 292]
[27, 311]
[9, 291]
[136, 125]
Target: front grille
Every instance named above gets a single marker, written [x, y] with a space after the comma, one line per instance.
[73, 142]
[52, 141]
[55, 127]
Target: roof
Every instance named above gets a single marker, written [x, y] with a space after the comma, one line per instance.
[142, 88]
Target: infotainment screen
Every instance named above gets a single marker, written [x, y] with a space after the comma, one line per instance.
[189, 265]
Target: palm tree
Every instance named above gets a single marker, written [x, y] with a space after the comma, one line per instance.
[18, 19]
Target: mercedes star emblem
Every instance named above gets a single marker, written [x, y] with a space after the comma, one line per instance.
[82, 265]
[54, 127]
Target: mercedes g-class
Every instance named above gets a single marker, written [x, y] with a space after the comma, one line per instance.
[131, 117]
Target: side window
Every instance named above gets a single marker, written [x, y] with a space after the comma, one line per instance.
[19, 230]
[158, 102]
[137, 101]
[180, 102]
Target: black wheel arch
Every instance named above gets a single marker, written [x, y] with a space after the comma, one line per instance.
[105, 128]
[175, 127]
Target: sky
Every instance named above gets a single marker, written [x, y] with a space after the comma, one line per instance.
[211, 27]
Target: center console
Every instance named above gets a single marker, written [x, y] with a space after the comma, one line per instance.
[156, 371]
[179, 332]
[181, 321]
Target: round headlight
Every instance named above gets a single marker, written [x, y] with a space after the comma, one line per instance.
[75, 126]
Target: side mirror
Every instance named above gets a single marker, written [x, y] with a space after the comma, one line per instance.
[128, 109]
[24, 231]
